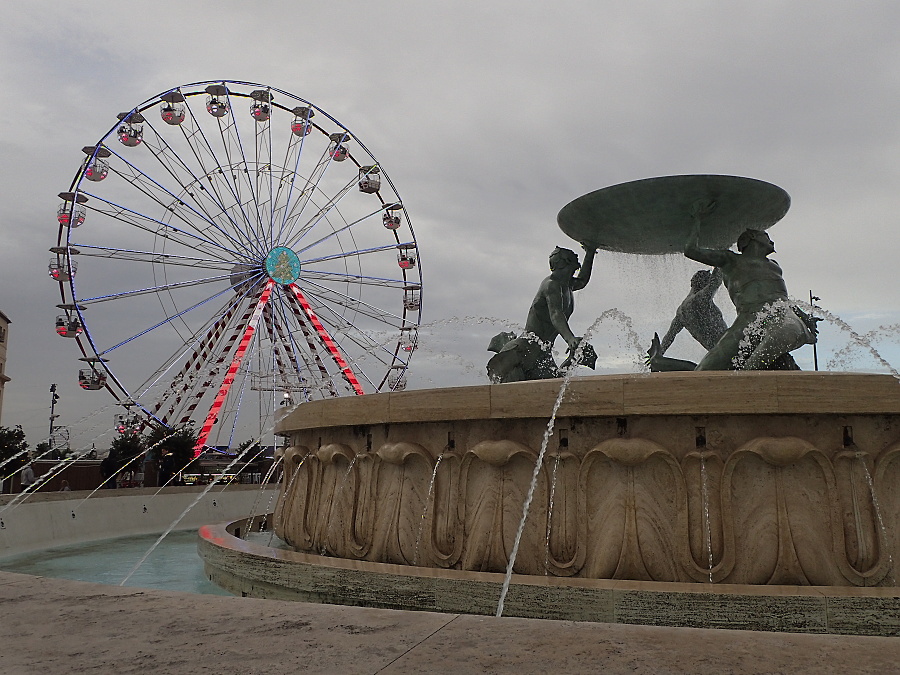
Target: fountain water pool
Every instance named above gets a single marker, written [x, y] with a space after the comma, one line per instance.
[173, 566]
[54, 531]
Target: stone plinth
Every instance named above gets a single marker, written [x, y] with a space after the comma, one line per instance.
[786, 478]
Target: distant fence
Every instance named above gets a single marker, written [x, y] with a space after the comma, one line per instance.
[85, 474]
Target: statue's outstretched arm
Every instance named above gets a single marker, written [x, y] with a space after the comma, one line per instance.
[584, 274]
[707, 256]
[715, 280]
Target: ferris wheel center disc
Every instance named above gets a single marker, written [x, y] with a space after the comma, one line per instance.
[283, 265]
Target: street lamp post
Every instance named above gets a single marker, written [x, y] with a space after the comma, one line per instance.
[813, 298]
[54, 398]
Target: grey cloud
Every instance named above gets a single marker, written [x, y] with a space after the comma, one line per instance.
[489, 117]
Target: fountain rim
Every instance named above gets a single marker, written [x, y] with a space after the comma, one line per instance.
[222, 535]
[618, 395]
[251, 569]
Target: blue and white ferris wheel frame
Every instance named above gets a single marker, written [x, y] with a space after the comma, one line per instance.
[240, 249]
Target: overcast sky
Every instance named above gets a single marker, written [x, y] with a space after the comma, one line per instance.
[489, 117]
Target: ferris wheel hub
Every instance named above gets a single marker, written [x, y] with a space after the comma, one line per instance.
[283, 265]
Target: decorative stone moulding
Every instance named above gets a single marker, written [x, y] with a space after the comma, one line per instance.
[741, 478]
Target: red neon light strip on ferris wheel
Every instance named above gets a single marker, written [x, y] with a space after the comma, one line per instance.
[326, 338]
[233, 368]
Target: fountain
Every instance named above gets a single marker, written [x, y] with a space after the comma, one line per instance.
[762, 499]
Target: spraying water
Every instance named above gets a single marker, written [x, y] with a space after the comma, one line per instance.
[181, 516]
[548, 432]
[841, 357]
[704, 492]
[550, 514]
[279, 513]
[877, 506]
[861, 340]
[437, 463]
[263, 482]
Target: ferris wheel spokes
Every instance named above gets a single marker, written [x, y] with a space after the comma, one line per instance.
[263, 147]
[233, 146]
[190, 185]
[326, 338]
[288, 365]
[213, 168]
[340, 324]
[345, 278]
[155, 289]
[294, 150]
[199, 350]
[321, 294]
[132, 255]
[358, 252]
[211, 349]
[321, 214]
[311, 344]
[317, 377]
[324, 210]
[367, 344]
[153, 226]
[163, 322]
[293, 211]
[236, 181]
[280, 337]
[232, 369]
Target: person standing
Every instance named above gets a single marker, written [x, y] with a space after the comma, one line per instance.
[27, 477]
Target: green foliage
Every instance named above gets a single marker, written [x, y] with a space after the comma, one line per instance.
[42, 450]
[251, 445]
[179, 442]
[126, 446]
[12, 443]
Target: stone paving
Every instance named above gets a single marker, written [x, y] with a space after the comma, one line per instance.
[59, 626]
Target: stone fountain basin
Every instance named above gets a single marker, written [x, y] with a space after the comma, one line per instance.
[781, 479]
[250, 569]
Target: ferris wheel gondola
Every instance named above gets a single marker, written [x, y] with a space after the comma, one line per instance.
[232, 258]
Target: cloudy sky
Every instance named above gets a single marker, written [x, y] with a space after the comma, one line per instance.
[489, 117]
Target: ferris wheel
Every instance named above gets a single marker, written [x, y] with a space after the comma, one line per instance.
[227, 249]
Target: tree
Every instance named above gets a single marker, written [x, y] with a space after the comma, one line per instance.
[178, 442]
[42, 450]
[12, 443]
[252, 447]
[126, 446]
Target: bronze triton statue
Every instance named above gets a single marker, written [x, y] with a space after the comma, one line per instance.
[529, 356]
[698, 312]
[657, 216]
[767, 327]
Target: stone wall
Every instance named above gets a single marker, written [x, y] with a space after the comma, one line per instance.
[49, 519]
